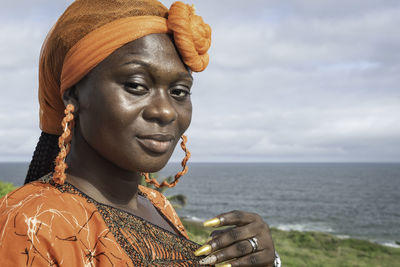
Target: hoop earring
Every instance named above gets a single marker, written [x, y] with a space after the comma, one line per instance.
[64, 143]
[178, 175]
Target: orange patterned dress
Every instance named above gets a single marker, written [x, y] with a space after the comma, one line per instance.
[46, 224]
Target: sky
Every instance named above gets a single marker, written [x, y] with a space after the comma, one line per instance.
[288, 81]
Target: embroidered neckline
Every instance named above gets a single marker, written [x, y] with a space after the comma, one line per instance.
[70, 188]
[134, 233]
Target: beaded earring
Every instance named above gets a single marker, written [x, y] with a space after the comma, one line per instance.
[64, 143]
[178, 175]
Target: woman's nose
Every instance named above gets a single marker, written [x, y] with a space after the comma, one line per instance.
[160, 109]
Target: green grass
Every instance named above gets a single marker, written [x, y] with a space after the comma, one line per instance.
[5, 188]
[305, 248]
[317, 249]
[196, 231]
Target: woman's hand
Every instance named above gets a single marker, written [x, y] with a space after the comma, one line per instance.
[249, 243]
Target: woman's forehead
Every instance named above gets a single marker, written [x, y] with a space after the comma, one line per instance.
[155, 52]
[151, 46]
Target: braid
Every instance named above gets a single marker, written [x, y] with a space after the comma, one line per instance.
[43, 158]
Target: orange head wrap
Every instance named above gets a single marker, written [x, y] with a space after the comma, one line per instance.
[90, 30]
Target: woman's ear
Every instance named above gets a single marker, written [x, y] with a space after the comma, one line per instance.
[70, 97]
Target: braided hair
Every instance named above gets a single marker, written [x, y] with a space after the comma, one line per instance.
[43, 158]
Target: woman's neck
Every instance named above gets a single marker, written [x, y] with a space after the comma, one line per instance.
[99, 178]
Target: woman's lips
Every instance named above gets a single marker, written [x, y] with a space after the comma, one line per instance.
[156, 143]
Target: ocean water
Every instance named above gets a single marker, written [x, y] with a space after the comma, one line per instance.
[360, 200]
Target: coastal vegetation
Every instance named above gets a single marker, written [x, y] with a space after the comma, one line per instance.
[317, 249]
[177, 201]
[5, 188]
[303, 248]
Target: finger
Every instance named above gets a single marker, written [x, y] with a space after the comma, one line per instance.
[235, 217]
[260, 258]
[234, 235]
[219, 231]
[236, 250]
[225, 239]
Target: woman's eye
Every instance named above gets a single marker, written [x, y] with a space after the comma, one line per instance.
[136, 88]
[180, 93]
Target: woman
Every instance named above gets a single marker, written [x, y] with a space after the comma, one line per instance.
[115, 80]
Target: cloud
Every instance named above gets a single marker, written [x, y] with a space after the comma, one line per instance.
[339, 134]
[287, 81]
[20, 11]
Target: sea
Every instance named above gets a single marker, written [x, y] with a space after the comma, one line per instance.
[359, 200]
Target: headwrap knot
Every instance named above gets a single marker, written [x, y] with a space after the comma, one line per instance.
[191, 35]
[89, 31]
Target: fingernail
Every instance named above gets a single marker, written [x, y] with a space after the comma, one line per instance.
[204, 250]
[212, 222]
[223, 265]
[209, 260]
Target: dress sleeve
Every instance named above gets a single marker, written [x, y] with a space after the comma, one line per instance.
[21, 232]
[40, 226]
[21, 246]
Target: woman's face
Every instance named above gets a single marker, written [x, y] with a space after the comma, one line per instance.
[134, 106]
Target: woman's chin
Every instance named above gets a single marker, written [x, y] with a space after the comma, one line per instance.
[145, 164]
[152, 168]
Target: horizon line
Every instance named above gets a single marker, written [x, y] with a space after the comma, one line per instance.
[217, 162]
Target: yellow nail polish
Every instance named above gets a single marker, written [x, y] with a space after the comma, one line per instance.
[209, 260]
[212, 222]
[223, 265]
[204, 250]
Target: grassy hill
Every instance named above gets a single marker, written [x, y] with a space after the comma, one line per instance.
[5, 188]
[306, 248]
[317, 249]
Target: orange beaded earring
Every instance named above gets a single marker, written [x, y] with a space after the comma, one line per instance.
[178, 175]
[64, 144]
